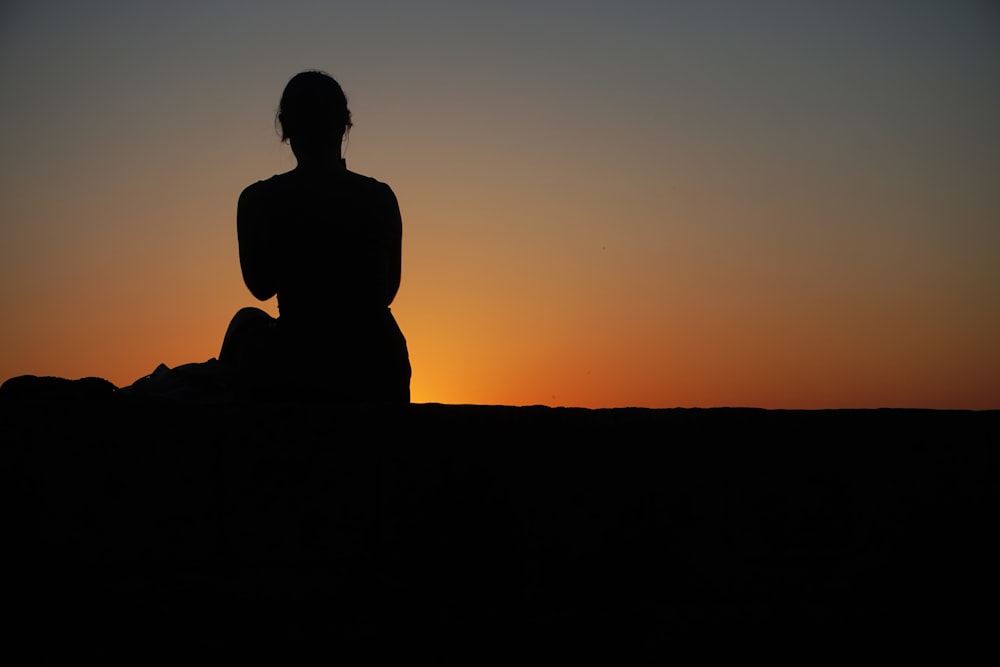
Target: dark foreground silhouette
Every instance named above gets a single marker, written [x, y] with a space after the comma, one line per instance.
[288, 529]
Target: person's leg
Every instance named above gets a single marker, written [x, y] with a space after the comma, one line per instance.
[249, 355]
[247, 332]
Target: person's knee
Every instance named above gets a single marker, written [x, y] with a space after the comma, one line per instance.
[248, 314]
[240, 331]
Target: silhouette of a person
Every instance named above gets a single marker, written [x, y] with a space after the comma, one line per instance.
[327, 242]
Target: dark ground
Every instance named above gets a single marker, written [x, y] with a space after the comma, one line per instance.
[141, 529]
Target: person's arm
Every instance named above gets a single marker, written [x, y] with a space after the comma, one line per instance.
[394, 244]
[251, 230]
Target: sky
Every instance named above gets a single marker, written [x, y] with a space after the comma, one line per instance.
[775, 204]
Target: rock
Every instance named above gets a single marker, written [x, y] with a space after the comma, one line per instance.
[253, 529]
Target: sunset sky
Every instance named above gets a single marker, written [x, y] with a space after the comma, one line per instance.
[662, 204]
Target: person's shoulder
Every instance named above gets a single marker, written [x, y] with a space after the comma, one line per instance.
[371, 185]
[363, 180]
[265, 188]
[274, 182]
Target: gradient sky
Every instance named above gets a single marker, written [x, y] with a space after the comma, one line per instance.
[663, 204]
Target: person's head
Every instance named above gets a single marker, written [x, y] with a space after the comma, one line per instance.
[313, 113]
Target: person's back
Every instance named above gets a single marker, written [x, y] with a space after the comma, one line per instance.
[334, 243]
